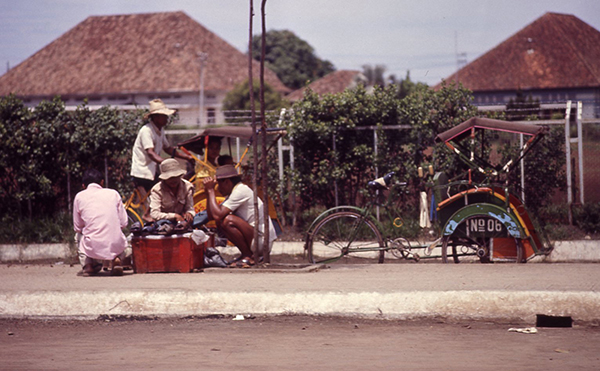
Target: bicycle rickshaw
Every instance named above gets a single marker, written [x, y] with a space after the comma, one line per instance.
[204, 168]
[477, 220]
[197, 144]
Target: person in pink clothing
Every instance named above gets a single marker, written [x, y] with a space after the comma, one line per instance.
[98, 216]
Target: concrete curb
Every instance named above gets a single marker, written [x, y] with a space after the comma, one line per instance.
[505, 305]
[564, 251]
[23, 252]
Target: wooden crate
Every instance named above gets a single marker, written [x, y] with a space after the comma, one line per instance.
[176, 253]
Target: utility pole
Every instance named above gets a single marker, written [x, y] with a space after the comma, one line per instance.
[461, 58]
[203, 57]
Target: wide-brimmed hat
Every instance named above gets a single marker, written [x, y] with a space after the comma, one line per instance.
[158, 107]
[170, 168]
[226, 171]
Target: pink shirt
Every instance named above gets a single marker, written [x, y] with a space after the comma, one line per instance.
[99, 215]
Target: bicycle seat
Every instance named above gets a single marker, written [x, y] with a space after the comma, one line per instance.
[381, 183]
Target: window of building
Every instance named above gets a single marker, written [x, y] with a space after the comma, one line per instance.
[210, 115]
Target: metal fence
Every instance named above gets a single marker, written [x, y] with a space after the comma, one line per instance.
[582, 150]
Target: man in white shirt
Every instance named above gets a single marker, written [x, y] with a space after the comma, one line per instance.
[98, 216]
[235, 216]
[149, 143]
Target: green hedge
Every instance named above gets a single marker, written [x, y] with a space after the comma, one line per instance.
[44, 151]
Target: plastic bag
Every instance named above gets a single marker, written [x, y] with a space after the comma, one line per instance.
[200, 219]
[212, 258]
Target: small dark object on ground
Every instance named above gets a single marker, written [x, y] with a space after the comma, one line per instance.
[553, 321]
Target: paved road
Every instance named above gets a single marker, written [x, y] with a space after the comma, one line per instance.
[292, 343]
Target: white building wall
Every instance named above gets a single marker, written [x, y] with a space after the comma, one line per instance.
[187, 104]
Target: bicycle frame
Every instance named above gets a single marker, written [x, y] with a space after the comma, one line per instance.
[389, 240]
[131, 206]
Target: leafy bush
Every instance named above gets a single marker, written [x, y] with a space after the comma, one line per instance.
[544, 169]
[334, 141]
[43, 153]
[587, 217]
[42, 229]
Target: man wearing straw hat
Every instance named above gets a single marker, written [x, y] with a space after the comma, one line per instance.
[150, 142]
[235, 216]
[172, 198]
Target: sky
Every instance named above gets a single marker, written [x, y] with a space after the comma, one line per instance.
[429, 38]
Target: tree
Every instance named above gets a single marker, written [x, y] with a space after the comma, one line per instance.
[238, 99]
[405, 86]
[291, 58]
[316, 123]
[374, 75]
[48, 145]
[544, 169]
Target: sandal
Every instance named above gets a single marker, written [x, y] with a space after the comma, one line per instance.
[242, 263]
[90, 270]
[117, 268]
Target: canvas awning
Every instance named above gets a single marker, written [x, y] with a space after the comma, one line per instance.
[463, 130]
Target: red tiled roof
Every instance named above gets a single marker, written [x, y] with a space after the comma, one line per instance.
[155, 52]
[334, 82]
[555, 51]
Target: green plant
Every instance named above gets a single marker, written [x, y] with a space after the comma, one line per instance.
[334, 146]
[587, 217]
[44, 151]
[544, 169]
[43, 229]
[291, 58]
[562, 232]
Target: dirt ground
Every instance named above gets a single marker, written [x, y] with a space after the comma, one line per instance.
[290, 343]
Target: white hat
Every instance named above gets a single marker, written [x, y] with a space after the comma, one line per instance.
[170, 168]
[158, 107]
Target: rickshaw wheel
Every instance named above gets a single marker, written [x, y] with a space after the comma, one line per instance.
[469, 249]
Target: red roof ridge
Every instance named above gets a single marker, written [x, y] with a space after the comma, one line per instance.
[554, 51]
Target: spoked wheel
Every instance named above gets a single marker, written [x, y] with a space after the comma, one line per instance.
[465, 249]
[481, 238]
[346, 237]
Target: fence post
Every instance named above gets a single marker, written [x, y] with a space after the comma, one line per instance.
[376, 168]
[580, 149]
[522, 169]
[293, 195]
[335, 185]
[568, 164]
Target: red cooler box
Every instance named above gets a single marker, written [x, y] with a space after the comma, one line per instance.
[176, 253]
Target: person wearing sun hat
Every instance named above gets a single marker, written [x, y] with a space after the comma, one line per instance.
[173, 197]
[149, 143]
[235, 216]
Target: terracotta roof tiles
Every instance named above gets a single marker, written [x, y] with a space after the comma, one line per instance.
[555, 51]
[154, 52]
[334, 82]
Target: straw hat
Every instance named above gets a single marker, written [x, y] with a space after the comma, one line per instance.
[226, 171]
[170, 168]
[158, 107]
